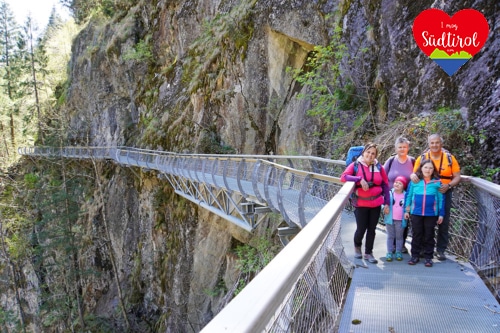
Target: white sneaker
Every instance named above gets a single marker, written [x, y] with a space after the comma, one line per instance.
[370, 258]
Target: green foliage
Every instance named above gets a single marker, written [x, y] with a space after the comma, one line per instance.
[30, 180]
[9, 320]
[333, 96]
[322, 74]
[459, 139]
[252, 259]
[96, 324]
[220, 289]
[211, 143]
[83, 10]
[221, 40]
[140, 52]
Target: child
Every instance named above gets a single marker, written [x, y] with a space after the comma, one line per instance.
[394, 221]
[425, 204]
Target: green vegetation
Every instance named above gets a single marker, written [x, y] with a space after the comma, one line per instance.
[211, 143]
[252, 259]
[31, 71]
[335, 99]
[140, 52]
[221, 41]
[84, 9]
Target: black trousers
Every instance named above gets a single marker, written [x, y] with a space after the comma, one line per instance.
[423, 235]
[366, 222]
[443, 236]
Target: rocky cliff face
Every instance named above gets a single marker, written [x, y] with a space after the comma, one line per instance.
[216, 78]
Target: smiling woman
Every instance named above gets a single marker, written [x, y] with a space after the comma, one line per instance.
[39, 10]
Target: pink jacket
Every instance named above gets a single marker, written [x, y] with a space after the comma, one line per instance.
[376, 195]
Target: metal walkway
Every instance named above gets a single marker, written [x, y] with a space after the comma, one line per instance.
[310, 276]
[240, 188]
[395, 297]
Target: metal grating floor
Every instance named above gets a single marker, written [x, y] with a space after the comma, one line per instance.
[395, 297]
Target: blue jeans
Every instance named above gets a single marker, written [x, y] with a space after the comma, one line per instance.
[395, 233]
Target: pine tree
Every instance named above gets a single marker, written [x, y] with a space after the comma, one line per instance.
[9, 33]
[33, 62]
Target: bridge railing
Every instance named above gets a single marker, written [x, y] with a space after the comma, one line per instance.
[303, 288]
[297, 295]
[475, 228]
[297, 187]
[302, 305]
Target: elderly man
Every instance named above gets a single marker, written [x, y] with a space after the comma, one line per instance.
[449, 171]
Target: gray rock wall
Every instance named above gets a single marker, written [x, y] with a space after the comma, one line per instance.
[116, 102]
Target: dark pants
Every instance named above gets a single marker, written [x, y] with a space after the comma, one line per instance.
[423, 235]
[443, 236]
[366, 222]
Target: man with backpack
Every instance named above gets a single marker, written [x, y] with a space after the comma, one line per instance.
[449, 172]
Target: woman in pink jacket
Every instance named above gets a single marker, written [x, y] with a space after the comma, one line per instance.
[372, 191]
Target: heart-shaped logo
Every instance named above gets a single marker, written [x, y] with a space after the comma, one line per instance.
[450, 41]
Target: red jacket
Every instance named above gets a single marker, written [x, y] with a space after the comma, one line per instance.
[375, 196]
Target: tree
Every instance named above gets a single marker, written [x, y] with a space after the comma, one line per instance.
[34, 62]
[9, 33]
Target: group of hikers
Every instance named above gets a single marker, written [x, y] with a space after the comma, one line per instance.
[416, 191]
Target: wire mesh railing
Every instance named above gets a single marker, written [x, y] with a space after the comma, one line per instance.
[303, 288]
[297, 187]
[474, 228]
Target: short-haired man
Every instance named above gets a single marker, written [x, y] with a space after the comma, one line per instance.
[449, 172]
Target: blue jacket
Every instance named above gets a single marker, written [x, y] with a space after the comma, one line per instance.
[424, 199]
[388, 217]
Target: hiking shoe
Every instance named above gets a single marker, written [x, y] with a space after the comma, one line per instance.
[428, 262]
[388, 256]
[404, 250]
[440, 255]
[399, 256]
[413, 260]
[370, 258]
[357, 253]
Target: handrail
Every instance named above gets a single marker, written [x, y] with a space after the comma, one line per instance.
[270, 287]
[252, 158]
[309, 180]
[489, 187]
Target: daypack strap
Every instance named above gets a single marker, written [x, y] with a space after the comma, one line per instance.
[450, 162]
[369, 198]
